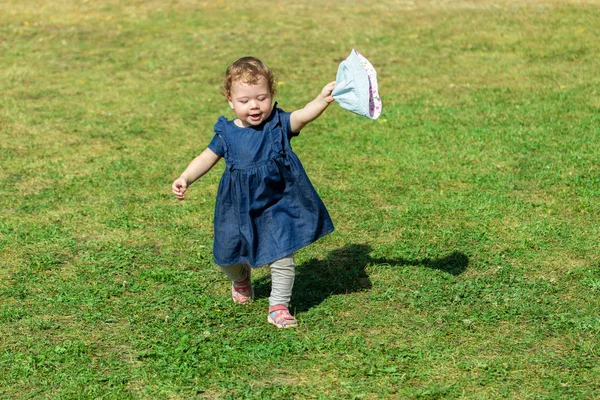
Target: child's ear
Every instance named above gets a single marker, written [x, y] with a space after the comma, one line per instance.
[230, 102]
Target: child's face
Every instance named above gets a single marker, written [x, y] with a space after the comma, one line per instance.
[251, 103]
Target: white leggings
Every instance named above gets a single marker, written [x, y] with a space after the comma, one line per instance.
[282, 279]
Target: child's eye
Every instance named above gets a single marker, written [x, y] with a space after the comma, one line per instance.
[243, 101]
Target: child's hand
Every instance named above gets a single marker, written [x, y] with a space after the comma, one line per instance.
[326, 92]
[179, 187]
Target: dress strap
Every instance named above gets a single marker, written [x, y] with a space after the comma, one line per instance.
[276, 130]
[221, 131]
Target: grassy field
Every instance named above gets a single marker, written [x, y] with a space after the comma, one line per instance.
[465, 262]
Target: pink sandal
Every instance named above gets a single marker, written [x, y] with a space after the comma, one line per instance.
[280, 316]
[243, 292]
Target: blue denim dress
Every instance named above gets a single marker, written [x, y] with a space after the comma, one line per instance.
[266, 206]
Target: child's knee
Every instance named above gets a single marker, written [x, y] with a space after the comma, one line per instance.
[283, 263]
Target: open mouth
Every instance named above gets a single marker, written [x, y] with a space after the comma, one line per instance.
[255, 117]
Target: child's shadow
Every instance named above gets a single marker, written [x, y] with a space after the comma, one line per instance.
[343, 271]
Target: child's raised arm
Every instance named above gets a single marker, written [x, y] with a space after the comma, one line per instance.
[300, 118]
[197, 168]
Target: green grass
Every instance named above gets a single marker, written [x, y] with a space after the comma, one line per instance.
[465, 260]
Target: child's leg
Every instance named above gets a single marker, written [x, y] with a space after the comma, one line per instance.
[237, 273]
[241, 286]
[282, 281]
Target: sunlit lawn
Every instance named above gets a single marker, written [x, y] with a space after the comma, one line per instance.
[465, 258]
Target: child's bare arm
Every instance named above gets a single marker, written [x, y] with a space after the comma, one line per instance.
[300, 118]
[197, 168]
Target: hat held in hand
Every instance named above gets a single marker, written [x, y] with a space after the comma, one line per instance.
[356, 86]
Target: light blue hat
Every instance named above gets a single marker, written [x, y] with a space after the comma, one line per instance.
[356, 86]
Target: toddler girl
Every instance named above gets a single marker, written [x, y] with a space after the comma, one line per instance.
[266, 206]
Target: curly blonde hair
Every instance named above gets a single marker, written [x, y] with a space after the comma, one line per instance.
[248, 70]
